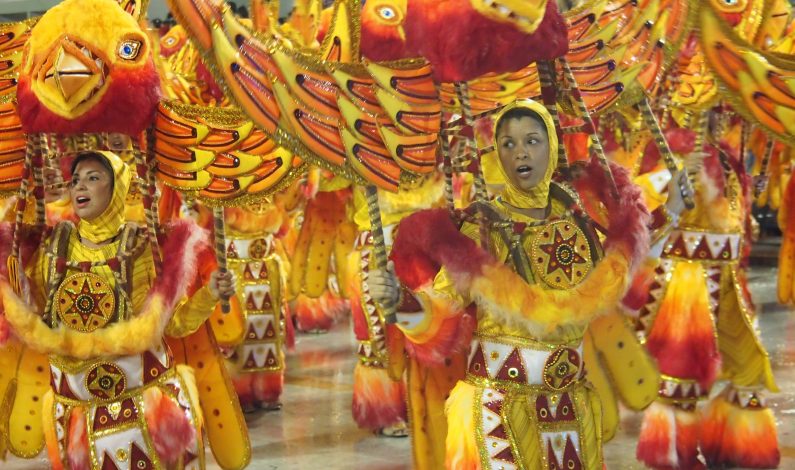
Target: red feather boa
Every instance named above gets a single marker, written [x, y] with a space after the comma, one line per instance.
[428, 240]
[180, 246]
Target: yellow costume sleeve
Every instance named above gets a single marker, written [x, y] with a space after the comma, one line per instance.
[24, 382]
[191, 313]
[226, 428]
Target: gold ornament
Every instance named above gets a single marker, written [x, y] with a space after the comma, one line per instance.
[106, 381]
[85, 302]
[561, 255]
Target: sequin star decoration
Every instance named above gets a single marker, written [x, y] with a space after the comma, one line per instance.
[562, 368]
[562, 253]
[85, 302]
[106, 381]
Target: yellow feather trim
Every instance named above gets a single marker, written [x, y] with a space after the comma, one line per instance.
[502, 293]
[462, 446]
[130, 337]
[436, 308]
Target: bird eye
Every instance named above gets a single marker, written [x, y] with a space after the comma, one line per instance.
[387, 13]
[731, 6]
[129, 49]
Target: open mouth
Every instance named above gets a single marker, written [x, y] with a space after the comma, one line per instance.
[526, 15]
[82, 201]
[75, 73]
[524, 171]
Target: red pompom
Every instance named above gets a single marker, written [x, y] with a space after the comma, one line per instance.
[171, 430]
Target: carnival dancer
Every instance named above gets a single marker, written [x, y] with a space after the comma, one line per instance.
[699, 323]
[525, 402]
[379, 388]
[255, 255]
[90, 304]
[319, 254]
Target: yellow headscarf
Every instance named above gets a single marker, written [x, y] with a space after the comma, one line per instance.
[537, 197]
[108, 224]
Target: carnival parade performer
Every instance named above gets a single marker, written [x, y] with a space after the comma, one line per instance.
[699, 323]
[254, 253]
[379, 391]
[90, 303]
[524, 402]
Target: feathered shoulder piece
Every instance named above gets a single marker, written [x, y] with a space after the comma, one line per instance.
[429, 240]
[181, 242]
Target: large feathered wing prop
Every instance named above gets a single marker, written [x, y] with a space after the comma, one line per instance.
[369, 122]
[759, 85]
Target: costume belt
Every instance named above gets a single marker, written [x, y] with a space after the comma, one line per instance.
[703, 246]
[109, 379]
[242, 249]
[547, 367]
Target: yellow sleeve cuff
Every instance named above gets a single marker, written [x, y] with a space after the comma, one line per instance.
[191, 313]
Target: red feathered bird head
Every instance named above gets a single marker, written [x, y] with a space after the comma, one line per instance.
[88, 68]
[382, 34]
[465, 39]
[173, 40]
[383, 37]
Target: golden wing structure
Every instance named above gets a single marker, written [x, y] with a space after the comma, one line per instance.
[759, 85]
[181, 71]
[693, 85]
[219, 154]
[369, 122]
[13, 37]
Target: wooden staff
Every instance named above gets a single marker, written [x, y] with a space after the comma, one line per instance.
[447, 167]
[762, 183]
[685, 187]
[549, 96]
[148, 192]
[14, 262]
[220, 251]
[388, 311]
[462, 91]
[701, 131]
[38, 181]
[596, 144]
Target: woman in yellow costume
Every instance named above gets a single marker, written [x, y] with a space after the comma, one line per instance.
[699, 323]
[89, 303]
[525, 402]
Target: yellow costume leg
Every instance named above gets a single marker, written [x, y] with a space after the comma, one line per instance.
[738, 429]
[428, 388]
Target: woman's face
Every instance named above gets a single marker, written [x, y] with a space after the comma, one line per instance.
[91, 189]
[118, 142]
[523, 147]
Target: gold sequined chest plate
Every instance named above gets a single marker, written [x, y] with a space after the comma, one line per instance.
[85, 302]
[560, 254]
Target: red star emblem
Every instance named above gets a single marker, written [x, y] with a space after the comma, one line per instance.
[562, 253]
